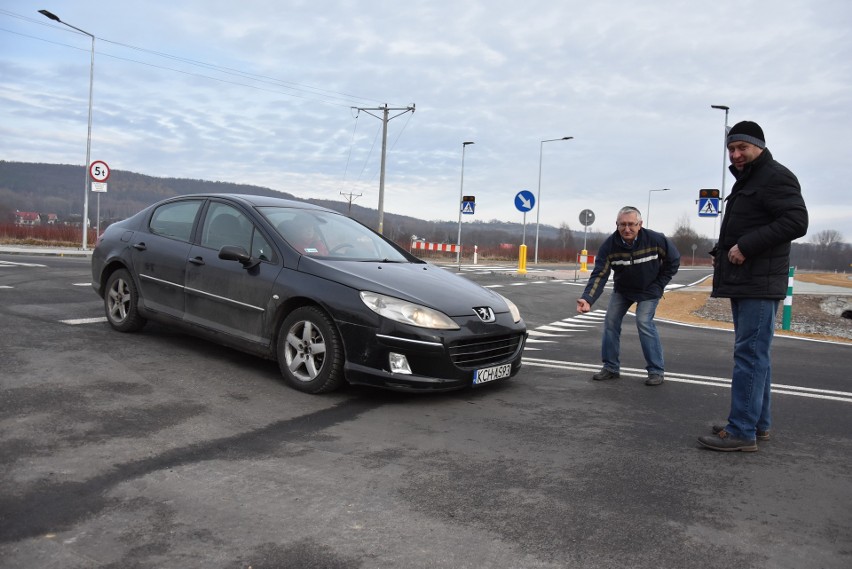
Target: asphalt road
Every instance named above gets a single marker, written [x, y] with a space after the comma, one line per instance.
[161, 450]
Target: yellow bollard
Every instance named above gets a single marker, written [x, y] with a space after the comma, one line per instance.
[522, 259]
[584, 261]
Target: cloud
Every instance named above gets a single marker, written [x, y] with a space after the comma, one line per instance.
[262, 92]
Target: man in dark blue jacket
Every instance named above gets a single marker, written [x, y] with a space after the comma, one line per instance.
[763, 214]
[642, 262]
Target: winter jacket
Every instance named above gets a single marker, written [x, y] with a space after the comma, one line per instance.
[640, 271]
[763, 214]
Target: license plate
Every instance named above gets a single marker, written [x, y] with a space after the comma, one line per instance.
[491, 373]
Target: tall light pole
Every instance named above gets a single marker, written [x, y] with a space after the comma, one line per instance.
[55, 18]
[461, 196]
[724, 161]
[538, 197]
[648, 210]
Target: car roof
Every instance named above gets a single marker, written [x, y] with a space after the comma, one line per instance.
[262, 201]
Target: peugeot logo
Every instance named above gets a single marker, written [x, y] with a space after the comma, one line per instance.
[485, 313]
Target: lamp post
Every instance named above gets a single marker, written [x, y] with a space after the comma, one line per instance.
[55, 18]
[538, 197]
[461, 194]
[648, 210]
[724, 160]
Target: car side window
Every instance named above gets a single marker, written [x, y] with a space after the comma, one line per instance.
[226, 225]
[175, 219]
[260, 247]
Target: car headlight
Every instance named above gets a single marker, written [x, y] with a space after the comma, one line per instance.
[407, 312]
[513, 310]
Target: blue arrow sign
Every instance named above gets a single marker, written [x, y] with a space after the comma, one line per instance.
[524, 201]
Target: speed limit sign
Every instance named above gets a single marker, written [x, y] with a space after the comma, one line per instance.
[99, 171]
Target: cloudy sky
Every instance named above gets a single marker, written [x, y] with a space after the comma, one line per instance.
[266, 92]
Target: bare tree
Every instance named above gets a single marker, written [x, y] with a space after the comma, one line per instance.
[826, 238]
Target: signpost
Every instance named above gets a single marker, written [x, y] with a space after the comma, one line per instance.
[524, 202]
[99, 171]
[708, 203]
[587, 217]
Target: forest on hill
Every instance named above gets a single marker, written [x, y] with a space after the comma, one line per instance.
[56, 189]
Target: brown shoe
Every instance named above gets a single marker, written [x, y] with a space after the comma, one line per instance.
[725, 442]
[761, 435]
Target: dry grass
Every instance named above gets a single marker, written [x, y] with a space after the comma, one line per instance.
[830, 279]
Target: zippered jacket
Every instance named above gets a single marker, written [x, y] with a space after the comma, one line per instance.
[763, 214]
[640, 272]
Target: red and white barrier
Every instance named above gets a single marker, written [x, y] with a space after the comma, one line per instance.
[445, 247]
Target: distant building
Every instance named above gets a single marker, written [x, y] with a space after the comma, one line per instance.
[27, 218]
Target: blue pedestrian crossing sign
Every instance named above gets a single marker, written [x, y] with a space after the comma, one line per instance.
[468, 207]
[708, 207]
[524, 201]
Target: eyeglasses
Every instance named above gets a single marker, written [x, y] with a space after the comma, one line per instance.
[630, 224]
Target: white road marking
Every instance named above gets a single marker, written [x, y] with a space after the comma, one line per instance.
[76, 321]
[13, 264]
[777, 388]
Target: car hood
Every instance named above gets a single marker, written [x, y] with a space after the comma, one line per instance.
[424, 284]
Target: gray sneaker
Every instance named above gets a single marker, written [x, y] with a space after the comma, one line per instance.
[606, 374]
[654, 379]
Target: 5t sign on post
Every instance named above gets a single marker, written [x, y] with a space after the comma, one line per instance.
[99, 171]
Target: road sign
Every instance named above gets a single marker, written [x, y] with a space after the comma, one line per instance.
[587, 217]
[468, 207]
[99, 187]
[524, 201]
[708, 207]
[99, 171]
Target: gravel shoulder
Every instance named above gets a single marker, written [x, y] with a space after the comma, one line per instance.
[814, 316]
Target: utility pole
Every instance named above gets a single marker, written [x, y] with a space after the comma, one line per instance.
[384, 118]
[351, 197]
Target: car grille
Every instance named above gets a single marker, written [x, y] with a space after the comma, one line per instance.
[473, 354]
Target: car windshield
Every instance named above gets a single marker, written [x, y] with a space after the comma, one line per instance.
[330, 235]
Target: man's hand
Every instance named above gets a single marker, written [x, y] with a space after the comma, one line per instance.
[735, 256]
[583, 306]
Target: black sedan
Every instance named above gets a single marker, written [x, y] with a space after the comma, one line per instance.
[328, 298]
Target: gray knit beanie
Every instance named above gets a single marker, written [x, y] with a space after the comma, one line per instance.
[747, 131]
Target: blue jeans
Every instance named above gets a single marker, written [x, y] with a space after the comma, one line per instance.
[652, 348]
[754, 327]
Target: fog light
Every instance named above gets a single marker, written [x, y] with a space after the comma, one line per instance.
[398, 363]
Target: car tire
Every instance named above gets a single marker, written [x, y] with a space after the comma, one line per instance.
[121, 302]
[310, 353]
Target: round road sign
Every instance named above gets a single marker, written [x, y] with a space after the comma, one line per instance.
[99, 171]
[587, 217]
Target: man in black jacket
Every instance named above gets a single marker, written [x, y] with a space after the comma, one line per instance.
[763, 214]
[643, 262]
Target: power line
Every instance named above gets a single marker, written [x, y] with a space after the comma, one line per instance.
[294, 89]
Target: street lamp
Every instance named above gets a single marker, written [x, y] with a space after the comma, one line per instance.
[55, 18]
[538, 197]
[724, 160]
[461, 194]
[648, 210]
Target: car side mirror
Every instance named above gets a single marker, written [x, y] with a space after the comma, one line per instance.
[234, 253]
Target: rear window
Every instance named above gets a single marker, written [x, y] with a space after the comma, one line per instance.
[175, 219]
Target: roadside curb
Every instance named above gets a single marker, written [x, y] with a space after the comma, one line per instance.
[45, 251]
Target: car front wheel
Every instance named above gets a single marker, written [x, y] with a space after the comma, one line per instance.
[121, 302]
[310, 353]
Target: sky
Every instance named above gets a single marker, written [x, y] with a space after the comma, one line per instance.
[268, 93]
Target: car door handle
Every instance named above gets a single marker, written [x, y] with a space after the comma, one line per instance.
[196, 261]
[140, 246]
